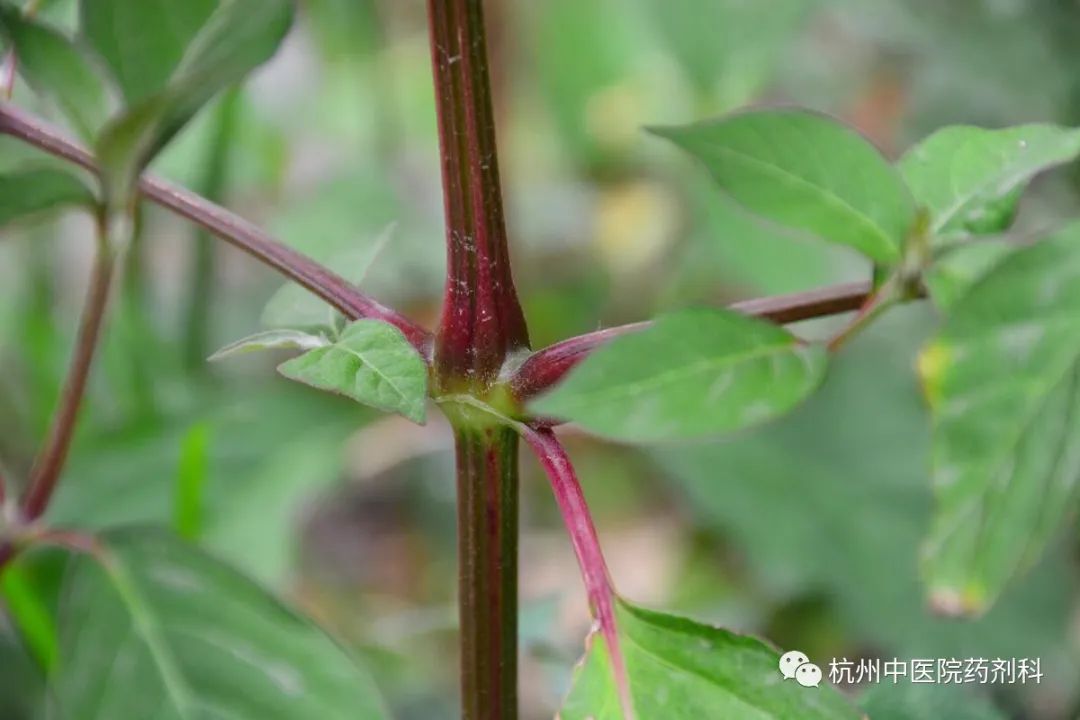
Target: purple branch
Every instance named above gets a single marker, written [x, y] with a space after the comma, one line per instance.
[579, 525]
[53, 454]
[231, 228]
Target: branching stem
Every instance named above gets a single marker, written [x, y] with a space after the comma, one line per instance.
[332, 288]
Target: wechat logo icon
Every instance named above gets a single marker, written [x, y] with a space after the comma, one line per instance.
[795, 665]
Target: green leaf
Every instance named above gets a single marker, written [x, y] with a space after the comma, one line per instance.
[1003, 383]
[728, 47]
[806, 173]
[295, 306]
[143, 41]
[56, 68]
[971, 179]
[25, 193]
[832, 501]
[271, 340]
[906, 701]
[950, 277]
[236, 38]
[162, 630]
[371, 363]
[678, 668]
[692, 373]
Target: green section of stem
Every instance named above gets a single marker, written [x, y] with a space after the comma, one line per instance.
[487, 491]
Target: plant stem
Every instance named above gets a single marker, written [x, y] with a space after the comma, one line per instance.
[579, 525]
[53, 454]
[201, 273]
[332, 288]
[487, 487]
[482, 321]
[481, 325]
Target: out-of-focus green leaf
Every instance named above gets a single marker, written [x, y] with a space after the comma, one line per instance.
[160, 629]
[950, 277]
[345, 28]
[692, 373]
[728, 46]
[907, 701]
[1003, 382]
[25, 193]
[271, 340]
[971, 178]
[679, 669]
[372, 363]
[588, 93]
[55, 67]
[807, 173]
[295, 306]
[234, 39]
[834, 499]
[30, 614]
[191, 475]
[143, 41]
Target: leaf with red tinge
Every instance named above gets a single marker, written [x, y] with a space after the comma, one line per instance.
[679, 669]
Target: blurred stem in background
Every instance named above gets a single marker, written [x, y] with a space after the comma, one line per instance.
[203, 268]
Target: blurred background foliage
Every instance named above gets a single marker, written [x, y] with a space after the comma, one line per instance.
[806, 531]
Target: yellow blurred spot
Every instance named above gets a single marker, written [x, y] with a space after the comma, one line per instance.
[614, 115]
[931, 364]
[635, 224]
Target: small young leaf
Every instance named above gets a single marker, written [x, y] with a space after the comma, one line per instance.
[683, 670]
[29, 192]
[950, 277]
[271, 340]
[371, 363]
[161, 630]
[971, 179]
[807, 173]
[1003, 383]
[56, 68]
[692, 373]
[234, 39]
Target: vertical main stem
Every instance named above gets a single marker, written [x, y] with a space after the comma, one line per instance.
[487, 489]
[482, 321]
[481, 325]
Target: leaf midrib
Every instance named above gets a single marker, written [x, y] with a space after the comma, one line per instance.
[832, 198]
[146, 624]
[710, 681]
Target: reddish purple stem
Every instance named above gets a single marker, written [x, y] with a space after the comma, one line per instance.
[231, 228]
[579, 525]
